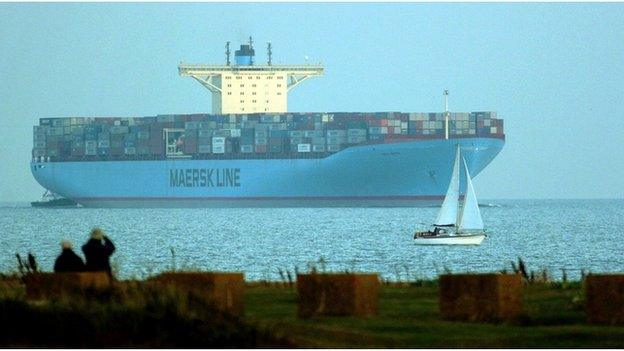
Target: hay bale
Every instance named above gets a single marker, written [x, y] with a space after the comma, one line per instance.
[224, 290]
[337, 295]
[480, 297]
[57, 285]
[604, 298]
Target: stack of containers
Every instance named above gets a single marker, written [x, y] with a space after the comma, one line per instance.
[40, 147]
[218, 145]
[487, 123]
[103, 140]
[190, 141]
[130, 138]
[276, 140]
[91, 139]
[261, 138]
[216, 134]
[156, 141]
[319, 141]
[204, 139]
[247, 140]
[77, 138]
[296, 138]
[356, 136]
[143, 140]
[335, 139]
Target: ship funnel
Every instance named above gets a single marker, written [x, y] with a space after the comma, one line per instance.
[244, 56]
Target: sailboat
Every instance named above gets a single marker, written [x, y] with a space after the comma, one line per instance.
[457, 223]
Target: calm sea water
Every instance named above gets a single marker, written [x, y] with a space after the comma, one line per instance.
[551, 234]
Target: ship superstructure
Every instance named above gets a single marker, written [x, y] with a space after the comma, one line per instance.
[246, 87]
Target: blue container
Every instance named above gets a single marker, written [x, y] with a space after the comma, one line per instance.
[129, 143]
[277, 133]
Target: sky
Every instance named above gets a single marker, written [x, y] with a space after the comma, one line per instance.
[554, 72]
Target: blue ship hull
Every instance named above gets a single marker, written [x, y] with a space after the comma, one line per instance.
[408, 173]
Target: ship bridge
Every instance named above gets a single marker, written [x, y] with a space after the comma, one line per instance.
[244, 87]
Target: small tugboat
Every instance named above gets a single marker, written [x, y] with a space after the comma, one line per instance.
[50, 199]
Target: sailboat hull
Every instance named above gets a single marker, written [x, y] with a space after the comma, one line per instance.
[472, 239]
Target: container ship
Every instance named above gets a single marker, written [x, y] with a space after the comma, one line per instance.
[251, 152]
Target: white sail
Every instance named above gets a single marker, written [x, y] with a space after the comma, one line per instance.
[470, 217]
[448, 212]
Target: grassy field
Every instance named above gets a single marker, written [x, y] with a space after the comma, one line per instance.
[137, 315]
[408, 317]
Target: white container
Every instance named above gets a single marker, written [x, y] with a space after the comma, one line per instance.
[384, 130]
[235, 133]
[303, 148]
[493, 130]
[218, 149]
[318, 148]
[246, 149]
[216, 141]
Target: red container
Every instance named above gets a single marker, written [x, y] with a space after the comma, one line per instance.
[261, 148]
[384, 122]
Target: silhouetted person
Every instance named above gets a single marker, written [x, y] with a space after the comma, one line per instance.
[97, 251]
[68, 261]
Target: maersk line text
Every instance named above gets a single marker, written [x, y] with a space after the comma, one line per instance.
[204, 177]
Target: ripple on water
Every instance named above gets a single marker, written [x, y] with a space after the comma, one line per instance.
[570, 234]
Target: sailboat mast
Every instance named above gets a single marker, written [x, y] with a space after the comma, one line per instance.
[446, 115]
[459, 203]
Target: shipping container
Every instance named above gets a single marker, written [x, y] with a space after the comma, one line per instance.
[218, 149]
[204, 149]
[318, 148]
[304, 148]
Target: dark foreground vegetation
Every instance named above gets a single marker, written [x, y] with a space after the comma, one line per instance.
[132, 314]
[135, 314]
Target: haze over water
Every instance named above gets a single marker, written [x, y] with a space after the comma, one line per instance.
[552, 234]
